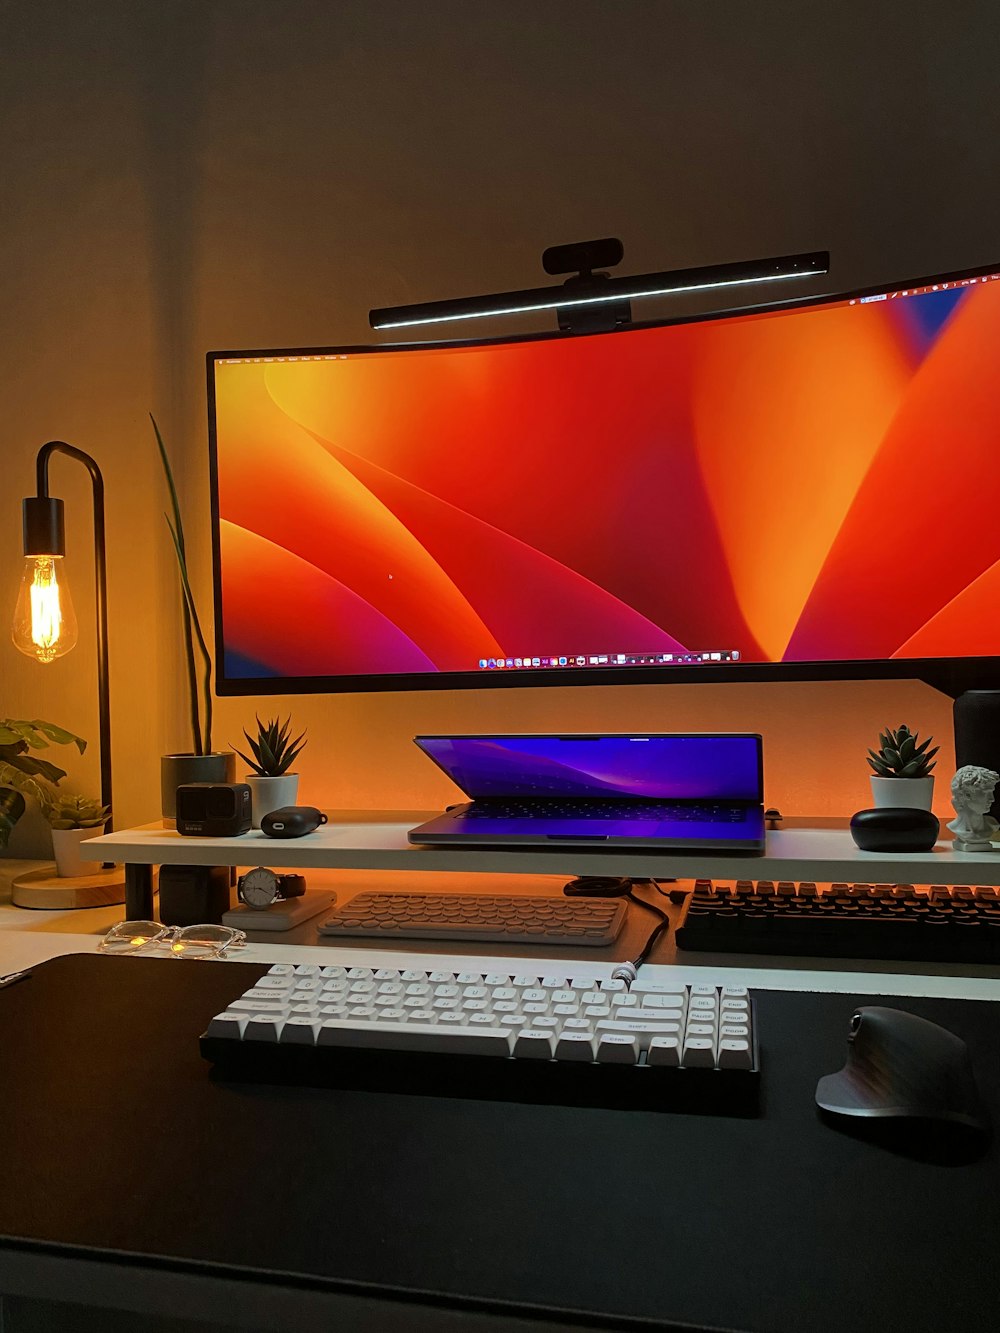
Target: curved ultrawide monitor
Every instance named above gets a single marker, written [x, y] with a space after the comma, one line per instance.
[806, 489]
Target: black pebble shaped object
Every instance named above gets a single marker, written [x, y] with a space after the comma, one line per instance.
[895, 829]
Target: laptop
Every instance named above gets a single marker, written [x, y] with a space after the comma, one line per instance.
[696, 792]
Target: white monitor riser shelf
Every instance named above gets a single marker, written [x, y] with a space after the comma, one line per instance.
[362, 842]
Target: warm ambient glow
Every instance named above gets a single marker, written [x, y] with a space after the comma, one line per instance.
[44, 620]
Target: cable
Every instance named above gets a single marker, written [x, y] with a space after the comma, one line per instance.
[628, 971]
[614, 886]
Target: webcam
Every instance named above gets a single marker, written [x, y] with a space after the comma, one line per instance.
[583, 256]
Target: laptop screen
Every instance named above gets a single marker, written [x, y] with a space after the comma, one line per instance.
[651, 767]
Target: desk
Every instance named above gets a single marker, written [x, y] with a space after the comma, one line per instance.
[455, 1215]
[271, 1208]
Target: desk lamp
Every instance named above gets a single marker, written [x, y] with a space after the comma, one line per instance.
[45, 628]
[590, 300]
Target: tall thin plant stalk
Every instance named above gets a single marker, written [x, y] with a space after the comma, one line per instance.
[201, 735]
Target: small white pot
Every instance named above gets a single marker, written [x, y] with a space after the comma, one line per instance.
[66, 849]
[903, 793]
[269, 794]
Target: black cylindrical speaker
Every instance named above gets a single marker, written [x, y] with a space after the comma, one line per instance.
[977, 732]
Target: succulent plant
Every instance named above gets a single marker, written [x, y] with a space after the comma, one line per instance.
[273, 751]
[63, 811]
[900, 755]
[22, 773]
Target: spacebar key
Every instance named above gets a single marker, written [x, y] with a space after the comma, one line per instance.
[414, 1037]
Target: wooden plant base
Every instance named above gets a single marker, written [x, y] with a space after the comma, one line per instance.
[45, 890]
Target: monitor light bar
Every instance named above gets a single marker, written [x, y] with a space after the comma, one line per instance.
[596, 290]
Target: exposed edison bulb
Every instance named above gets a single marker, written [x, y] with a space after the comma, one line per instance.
[44, 620]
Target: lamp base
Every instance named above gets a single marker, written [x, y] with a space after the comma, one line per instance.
[45, 890]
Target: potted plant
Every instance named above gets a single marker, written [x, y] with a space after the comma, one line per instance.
[201, 763]
[22, 773]
[271, 784]
[73, 819]
[903, 770]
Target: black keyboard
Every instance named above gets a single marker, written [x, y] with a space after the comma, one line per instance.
[957, 924]
[605, 808]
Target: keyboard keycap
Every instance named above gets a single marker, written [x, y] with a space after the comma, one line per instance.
[575, 1046]
[415, 1037]
[229, 1025]
[664, 1051]
[735, 1053]
[617, 1048]
[699, 1053]
[533, 1044]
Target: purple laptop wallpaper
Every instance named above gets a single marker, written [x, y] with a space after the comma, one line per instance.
[697, 767]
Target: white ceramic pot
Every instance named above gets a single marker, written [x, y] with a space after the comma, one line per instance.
[269, 794]
[903, 793]
[66, 849]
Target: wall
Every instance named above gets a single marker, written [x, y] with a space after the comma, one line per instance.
[226, 173]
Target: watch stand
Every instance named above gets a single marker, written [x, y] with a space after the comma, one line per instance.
[284, 914]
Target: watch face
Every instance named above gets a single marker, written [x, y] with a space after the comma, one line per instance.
[259, 888]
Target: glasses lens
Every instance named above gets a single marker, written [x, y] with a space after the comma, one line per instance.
[129, 936]
[206, 941]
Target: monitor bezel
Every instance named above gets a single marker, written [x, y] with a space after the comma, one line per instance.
[952, 675]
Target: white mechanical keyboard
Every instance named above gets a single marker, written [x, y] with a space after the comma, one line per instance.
[513, 919]
[514, 1017]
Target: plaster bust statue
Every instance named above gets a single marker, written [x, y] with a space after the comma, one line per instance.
[972, 790]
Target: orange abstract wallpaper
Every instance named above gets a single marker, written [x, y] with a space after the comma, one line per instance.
[800, 486]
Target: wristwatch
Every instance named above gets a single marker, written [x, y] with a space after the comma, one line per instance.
[262, 887]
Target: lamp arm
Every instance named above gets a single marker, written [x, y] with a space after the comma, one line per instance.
[101, 598]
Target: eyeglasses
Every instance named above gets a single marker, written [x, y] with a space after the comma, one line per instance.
[205, 941]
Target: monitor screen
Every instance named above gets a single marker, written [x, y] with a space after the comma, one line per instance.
[801, 489]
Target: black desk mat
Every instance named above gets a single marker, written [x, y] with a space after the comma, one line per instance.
[115, 1138]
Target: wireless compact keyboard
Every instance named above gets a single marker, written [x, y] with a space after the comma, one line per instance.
[944, 924]
[591, 922]
[525, 1036]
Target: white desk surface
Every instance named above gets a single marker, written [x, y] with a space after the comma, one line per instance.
[823, 855]
[28, 938]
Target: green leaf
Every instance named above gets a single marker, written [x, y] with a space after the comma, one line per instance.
[37, 734]
[38, 768]
[248, 761]
[11, 777]
[11, 810]
[178, 539]
[60, 735]
[290, 758]
[168, 473]
[906, 748]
